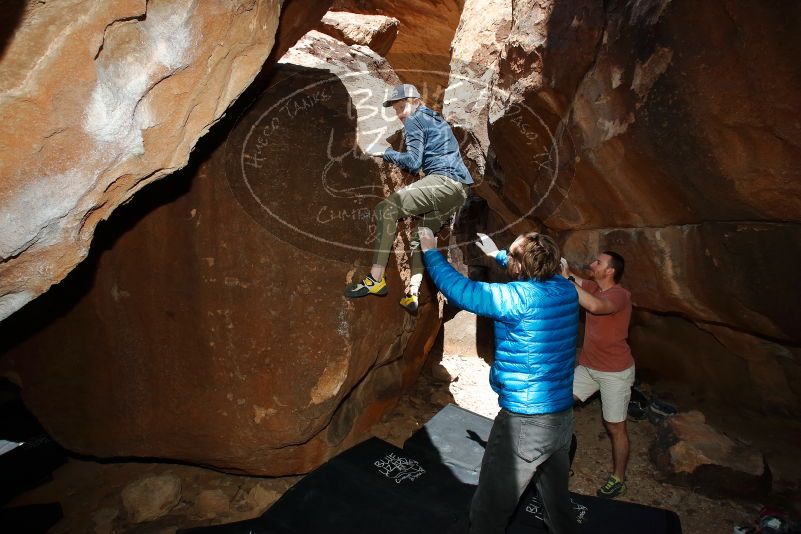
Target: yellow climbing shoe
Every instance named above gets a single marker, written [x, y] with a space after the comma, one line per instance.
[409, 303]
[368, 286]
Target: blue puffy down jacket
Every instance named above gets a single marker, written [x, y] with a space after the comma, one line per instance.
[536, 324]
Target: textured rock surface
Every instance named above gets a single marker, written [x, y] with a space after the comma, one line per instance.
[211, 503]
[678, 269]
[214, 330]
[687, 117]
[720, 365]
[297, 18]
[93, 108]
[690, 451]
[421, 52]
[260, 498]
[151, 497]
[374, 31]
[460, 335]
[667, 130]
[508, 59]
[365, 76]
[644, 127]
[475, 53]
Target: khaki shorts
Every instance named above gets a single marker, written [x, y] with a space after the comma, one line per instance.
[615, 390]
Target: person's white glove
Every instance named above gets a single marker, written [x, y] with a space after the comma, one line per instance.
[427, 239]
[487, 245]
[565, 267]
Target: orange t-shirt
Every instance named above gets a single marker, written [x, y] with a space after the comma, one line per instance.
[606, 346]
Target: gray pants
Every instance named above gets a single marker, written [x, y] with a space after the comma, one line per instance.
[519, 447]
[434, 199]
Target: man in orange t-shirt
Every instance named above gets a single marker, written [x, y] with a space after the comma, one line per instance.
[605, 362]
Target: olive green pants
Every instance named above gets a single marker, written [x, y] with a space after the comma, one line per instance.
[434, 199]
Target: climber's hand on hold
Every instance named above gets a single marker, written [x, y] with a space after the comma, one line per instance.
[377, 149]
[427, 239]
[486, 245]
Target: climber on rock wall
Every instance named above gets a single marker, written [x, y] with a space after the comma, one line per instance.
[605, 362]
[434, 199]
[536, 326]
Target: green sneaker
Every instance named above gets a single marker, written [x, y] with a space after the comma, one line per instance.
[368, 286]
[614, 487]
[409, 303]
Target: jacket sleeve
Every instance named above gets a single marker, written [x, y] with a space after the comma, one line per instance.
[412, 159]
[496, 301]
[502, 258]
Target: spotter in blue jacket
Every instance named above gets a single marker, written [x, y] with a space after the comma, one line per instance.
[536, 326]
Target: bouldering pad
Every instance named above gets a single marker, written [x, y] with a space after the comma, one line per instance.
[372, 487]
[425, 487]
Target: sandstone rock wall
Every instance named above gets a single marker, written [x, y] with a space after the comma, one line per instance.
[692, 172]
[214, 330]
[688, 451]
[421, 52]
[98, 99]
[666, 130]
[374, 31]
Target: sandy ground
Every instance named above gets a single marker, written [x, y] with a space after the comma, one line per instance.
[90, 491]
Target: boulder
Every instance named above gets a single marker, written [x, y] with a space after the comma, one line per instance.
[688, 451]
[717, 364]
[440, 373]
[732, 341]
[505, 98]
[151, 497]
[460, 335]
[673, 120]
[103, 520]
[374, 31]
[95, 107]
[480, 39]
[210, 327]
[260, 498]
[678, 269]
[643, 127]
[421, 52]
[211, 503]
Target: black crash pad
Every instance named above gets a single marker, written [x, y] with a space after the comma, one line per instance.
[456, 438]
[32, 463]
[424, 488]
[30, 519]
[597, 516]
[372, 487]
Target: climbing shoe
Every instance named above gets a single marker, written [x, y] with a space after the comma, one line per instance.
[409, 303]
[614, 487]
[368, 286]
[638, 405]
[659, 410]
